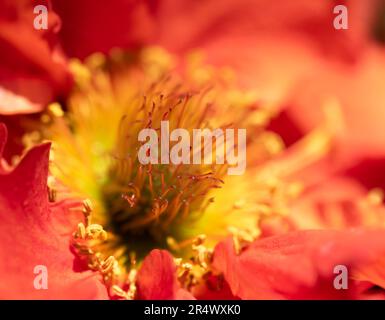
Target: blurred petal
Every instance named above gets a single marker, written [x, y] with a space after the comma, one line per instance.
[277, 42]
[157, 278]
[32, 71]
[298, 265]
[360, 91]
[93, 26]
[338, 203]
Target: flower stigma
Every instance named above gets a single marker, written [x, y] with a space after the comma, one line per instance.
[132, 208]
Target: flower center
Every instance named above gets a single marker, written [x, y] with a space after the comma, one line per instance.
[146, 203]
[143, 205]
[137, 207]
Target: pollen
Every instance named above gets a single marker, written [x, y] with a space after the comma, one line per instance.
[134, 207]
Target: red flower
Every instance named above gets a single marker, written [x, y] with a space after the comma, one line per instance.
[288, 51]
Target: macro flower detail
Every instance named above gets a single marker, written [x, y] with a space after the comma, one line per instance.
[134, 208]
[162, 150]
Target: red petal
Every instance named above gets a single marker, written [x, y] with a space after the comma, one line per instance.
[298, 265]
[353, 87]
[90, 26]
[188, 23]
[214, 288]
[33, 232]
[262, 30]
[33, 70]
[157, 278]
